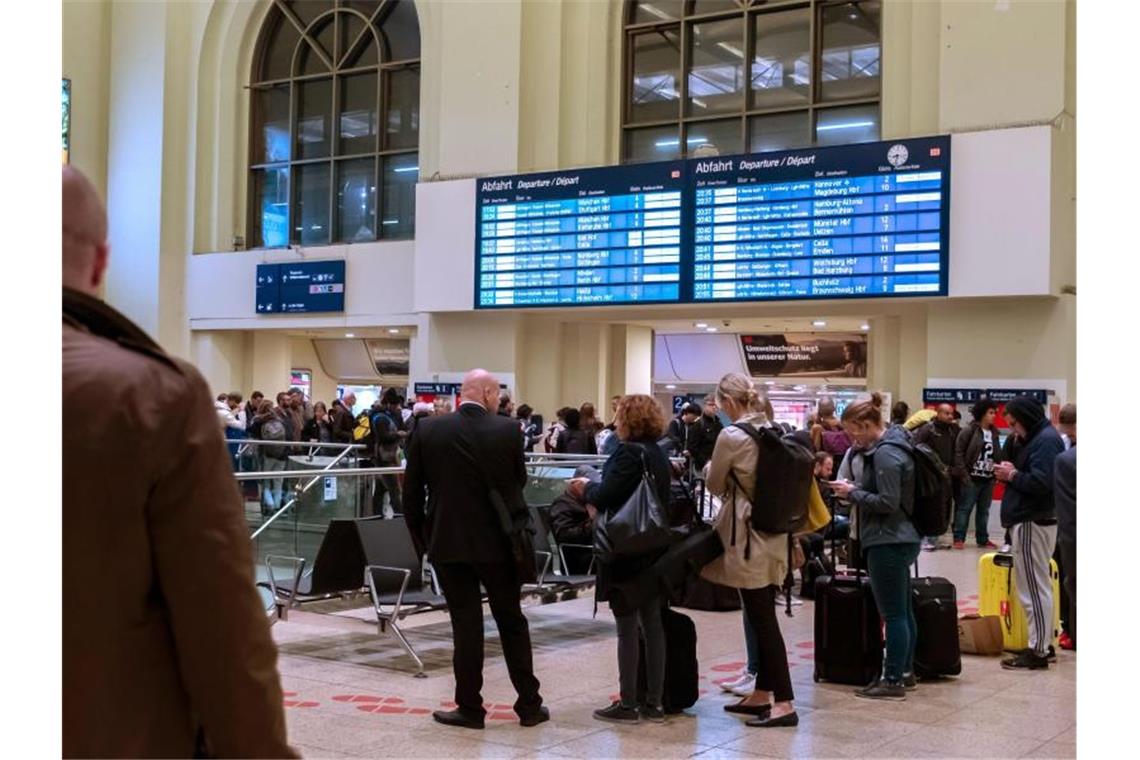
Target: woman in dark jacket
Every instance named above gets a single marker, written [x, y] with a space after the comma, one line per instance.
[640, 423]
[883, 503]
[319, 429]
[574, 439]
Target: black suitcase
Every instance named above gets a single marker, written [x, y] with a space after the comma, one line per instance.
[681, 676]
[936, 652]
[848, 631]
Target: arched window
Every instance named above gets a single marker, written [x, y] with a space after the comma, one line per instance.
[334, 122]
[742, 76]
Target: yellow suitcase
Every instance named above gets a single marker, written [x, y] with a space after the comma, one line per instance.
[997, 595]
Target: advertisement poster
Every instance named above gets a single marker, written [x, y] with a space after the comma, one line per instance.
[819, 355]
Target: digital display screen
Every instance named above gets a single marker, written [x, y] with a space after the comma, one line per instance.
[309, 286]
[591, 236]
[857, 221]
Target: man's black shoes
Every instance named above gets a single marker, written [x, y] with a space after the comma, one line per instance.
[459, 719]
[1027, 660]
[533, 719]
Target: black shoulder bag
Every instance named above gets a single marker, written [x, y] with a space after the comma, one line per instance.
[639, 526]
[517, 526]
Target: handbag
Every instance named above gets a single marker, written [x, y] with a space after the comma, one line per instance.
[516, 526]
[639, 526]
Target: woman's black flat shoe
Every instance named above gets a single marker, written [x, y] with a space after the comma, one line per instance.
[791, 719]
[759, 711]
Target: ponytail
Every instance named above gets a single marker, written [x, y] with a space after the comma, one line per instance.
[742, 390]
[865, 412]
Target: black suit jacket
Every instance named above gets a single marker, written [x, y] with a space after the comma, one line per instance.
[446, 502]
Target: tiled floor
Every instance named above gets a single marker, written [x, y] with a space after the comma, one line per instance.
[351, 693]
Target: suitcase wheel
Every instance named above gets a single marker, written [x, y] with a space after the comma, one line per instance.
[815, 677]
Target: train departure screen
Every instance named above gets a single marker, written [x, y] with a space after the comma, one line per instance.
[868, 220]
[592, 236]
[865, 220]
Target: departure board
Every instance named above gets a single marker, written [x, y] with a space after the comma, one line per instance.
[856, 221]
[591, 236]
[853, 221]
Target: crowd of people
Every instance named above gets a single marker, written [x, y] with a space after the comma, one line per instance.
[864, 470]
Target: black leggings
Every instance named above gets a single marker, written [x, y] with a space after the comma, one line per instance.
[772, 675]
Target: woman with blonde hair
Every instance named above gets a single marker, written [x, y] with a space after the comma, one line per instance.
[755, 563]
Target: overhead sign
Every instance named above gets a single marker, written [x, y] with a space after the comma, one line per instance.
[1005, 395]
[971, 395]
[301, 287]
[851, 221]
[436, 389]
[806, 355]
[950, 395]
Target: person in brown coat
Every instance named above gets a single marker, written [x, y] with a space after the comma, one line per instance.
[166, 646]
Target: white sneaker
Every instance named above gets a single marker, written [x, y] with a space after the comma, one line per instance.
[729, 684]
[781, 601]
[745, 687]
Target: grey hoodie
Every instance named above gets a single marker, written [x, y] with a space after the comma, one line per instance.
[886, 497]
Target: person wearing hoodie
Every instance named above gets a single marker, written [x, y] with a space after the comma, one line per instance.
[941, 435]
[883, 503]
[975, 454]
[1028, 512]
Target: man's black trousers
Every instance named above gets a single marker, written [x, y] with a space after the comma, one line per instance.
[460, 582]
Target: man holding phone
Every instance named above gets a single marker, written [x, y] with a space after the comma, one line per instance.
[1028, 512]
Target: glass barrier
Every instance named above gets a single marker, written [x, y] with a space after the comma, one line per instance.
[290, 492]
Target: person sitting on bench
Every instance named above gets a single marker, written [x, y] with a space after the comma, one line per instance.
[572, 521]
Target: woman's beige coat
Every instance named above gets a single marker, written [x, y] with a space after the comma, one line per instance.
[767, 554]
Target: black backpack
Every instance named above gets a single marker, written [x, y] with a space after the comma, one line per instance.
[785, 470]
[931, 513]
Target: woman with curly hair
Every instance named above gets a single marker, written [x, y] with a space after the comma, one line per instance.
[640, 423]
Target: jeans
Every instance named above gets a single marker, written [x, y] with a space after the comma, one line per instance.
[772, 674]
[272, 489]
[647, 618]
[976, 494]
[389, 484]
[888, 567]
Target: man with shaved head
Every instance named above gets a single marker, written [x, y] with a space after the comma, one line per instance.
[166, 646]
[941, 435]
[465, 477]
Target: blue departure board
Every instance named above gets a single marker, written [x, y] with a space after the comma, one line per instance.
[857, 221]
[302, 287]
[866, 220]
[591, 236]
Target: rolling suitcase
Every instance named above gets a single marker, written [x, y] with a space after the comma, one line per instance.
[848, 629]
[936, 652]
[681, 676]
[997, 595]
